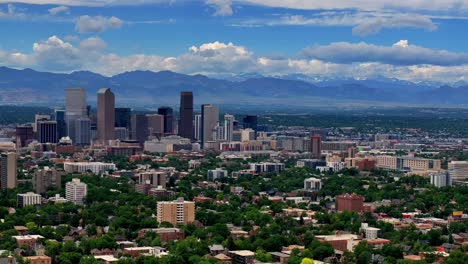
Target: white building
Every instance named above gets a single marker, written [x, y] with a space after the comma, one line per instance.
[95, 167]
[370, 232]
[441, 179]
[336, 165]
[76, 191]
[267, 167]
[228, 127]
[29, 198]
[312, 184]
[197, 127]
[217, 174]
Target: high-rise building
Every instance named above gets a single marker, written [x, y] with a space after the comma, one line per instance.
[349, 202]
[61, 125]
[458, 170]
[316, 147]
[139, 128]
[153, 177]
[168, 115]
[105, 115]
[176, 212]
[228, 127]
[8, 170]
[197, 127]
[82, 131]
[47, 131]
[251, 121]
[155, 125]
[76, 191]
[24, 135]
[186, 115]
[39, 117]
[75, 108]
[210, 118]
[46, 178]
[218, 133]
[121, 133]
[123, 117]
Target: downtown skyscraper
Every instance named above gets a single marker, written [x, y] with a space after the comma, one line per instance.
[186, 115]
[75, 108]
[168, 119]
[210, 119]
[105, 115]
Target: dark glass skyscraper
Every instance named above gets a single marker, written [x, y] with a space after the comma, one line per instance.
[47, 131]
[168, 119]
[186, 115]
[250, 121]
[123, 117]
[61, 125]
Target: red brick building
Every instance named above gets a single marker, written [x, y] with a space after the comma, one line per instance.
[349, 202]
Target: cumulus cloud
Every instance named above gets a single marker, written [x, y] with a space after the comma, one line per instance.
[217, 59]
[400, 53]
[59, 9]
[93, 44]
[56, 54]
[222, 7]
[97, 24]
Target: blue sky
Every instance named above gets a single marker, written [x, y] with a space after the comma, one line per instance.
[412, 40]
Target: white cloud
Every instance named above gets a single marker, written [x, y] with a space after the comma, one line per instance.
[400, 53]
[398, 21]
[71, 38]
[59, 9]
[93, 44]
[439, 5]
[363, 23]
[56, 54]
[222, 7]
[11, 13]
[96, 24]
[224, 59]
[87, 2]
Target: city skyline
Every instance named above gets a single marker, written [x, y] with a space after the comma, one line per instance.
[357, 39]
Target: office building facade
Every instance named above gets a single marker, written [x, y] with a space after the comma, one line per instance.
[105, 115]
[76, 191]
[316, 147]
[140, 129]
[186, 115]
[8, 170]
[168, 115]
[47, 132]
[176, 212]
[210, 119]
[75, 108]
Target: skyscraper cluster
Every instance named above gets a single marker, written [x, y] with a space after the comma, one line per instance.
[113, 126]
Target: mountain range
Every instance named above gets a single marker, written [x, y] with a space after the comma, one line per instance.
[156, 88]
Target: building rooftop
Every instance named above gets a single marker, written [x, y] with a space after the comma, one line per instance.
[243, 253]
